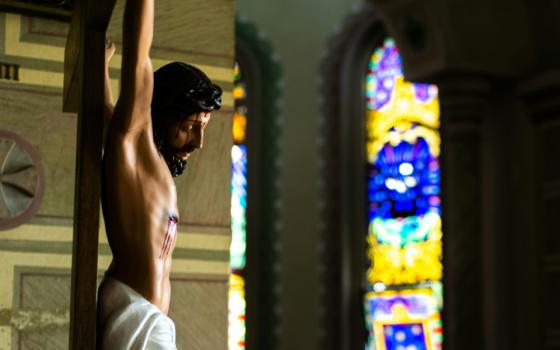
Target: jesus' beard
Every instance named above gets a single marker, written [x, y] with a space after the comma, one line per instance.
[175, 164]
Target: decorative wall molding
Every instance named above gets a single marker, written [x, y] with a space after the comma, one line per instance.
[22, 180]
[9, 71]
[60, 10]
[43, 61]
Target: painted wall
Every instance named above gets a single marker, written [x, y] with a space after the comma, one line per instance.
[298, 30]
[35, 257]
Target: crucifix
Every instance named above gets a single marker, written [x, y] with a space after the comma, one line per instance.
[157, 123]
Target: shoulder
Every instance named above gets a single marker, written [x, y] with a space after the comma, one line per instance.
[131, 140]
[130, 116]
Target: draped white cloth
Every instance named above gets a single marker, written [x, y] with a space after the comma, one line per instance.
[127, 321]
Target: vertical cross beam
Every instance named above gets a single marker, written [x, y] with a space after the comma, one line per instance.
[84, 94]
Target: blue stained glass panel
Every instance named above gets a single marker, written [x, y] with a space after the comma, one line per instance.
[401, 183]
[405, 337]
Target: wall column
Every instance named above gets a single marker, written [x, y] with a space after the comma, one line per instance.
[538, 261]
[462, 113]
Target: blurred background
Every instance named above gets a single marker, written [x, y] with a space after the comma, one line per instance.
[382, 175]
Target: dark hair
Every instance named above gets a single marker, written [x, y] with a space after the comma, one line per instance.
[180, 90]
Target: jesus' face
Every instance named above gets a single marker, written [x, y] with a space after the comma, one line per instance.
[182, 138]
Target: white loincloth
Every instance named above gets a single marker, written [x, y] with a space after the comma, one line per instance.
[127, 321]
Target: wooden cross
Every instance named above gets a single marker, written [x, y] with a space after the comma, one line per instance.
[84, 65]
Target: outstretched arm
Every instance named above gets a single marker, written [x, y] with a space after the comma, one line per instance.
[132, 112]
[109, 107]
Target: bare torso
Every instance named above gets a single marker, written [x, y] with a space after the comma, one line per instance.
[140, 211]
[138, 192]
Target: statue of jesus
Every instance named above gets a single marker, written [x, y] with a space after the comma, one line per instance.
[157, 123]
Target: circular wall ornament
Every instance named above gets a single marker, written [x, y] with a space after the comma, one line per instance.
[22, 180]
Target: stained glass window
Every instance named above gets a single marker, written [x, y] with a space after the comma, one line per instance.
[236, 332]
[404, 272]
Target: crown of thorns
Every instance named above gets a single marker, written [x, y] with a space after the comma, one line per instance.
[205, 96]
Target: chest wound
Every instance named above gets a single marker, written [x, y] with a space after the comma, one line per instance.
[170, 236]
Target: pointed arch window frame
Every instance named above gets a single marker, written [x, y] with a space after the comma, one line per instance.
[342, 160]
[262, 76]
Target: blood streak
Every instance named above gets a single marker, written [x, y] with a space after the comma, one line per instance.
[170, 236]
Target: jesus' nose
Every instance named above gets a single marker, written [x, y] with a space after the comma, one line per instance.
[197, 138]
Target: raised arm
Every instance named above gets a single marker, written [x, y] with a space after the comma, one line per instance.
[109, 107]
[132, 112]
